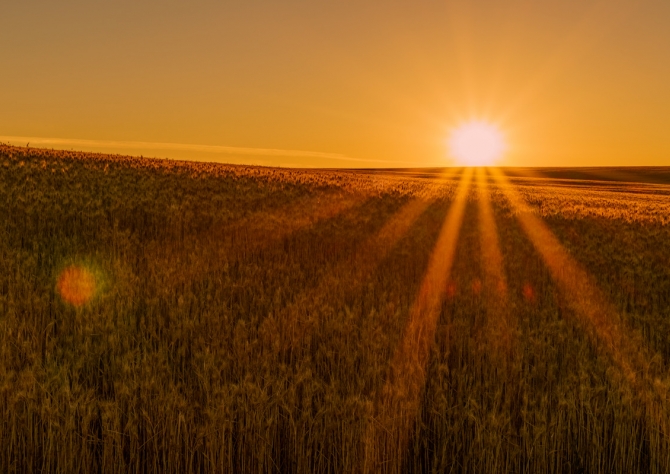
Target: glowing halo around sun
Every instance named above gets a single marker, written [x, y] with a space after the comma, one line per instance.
[476, 143]
[76, 285]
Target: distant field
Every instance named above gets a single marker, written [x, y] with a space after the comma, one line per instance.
[630, 174]
[162, 316]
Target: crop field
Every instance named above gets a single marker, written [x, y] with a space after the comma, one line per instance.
[176, 317]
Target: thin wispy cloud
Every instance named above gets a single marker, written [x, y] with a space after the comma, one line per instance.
[214, 149]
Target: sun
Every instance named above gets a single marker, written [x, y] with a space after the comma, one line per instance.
[476, 144]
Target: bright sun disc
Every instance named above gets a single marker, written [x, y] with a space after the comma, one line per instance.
[476, 144]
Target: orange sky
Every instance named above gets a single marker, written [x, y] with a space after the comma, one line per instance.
[339, 83]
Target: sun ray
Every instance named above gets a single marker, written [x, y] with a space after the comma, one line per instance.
[398, 401]
[492, 256]
[293, 329]
[267, 226]
[597, 316]
[499, 321]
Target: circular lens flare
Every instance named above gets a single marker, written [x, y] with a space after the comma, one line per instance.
[476, 144]
[76, 285]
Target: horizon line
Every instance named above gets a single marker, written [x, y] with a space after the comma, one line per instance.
[269, 152]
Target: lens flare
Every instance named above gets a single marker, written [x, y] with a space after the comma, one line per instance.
[528, 293]
[76, 285]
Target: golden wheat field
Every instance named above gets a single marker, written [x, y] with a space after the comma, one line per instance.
[176, 317]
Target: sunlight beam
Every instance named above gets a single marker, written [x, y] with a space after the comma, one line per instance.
[600, 320]
[398, 401]
[499, 320]
[345, 278]
[291, 328]
[254, 232]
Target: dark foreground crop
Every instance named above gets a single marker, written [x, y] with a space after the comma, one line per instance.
[160, 316]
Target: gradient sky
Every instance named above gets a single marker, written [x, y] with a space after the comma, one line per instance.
[339, 83]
